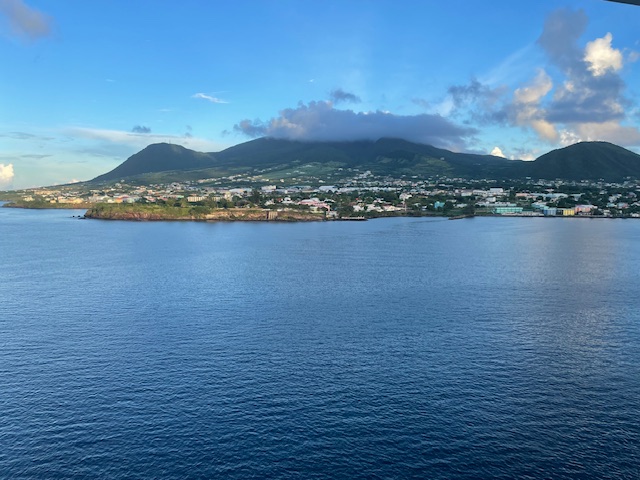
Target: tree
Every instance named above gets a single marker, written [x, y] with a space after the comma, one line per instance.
[345, 210]
[448, 206]
[255, 197]
[566, 202]
[211, 202]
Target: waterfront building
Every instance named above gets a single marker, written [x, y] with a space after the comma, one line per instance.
[507, 210]
[566, 212]
[583, 208]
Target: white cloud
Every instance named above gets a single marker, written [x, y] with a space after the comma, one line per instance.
[6, 173]
[527, 157]
[538, 88]
[545, 129]
[208, 98]
[601, 57]
[586, 98]
[24, 20]
[609, 132]
[569, 137]
[497, 152]
[528, 111]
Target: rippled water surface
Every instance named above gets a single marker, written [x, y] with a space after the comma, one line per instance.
[394, 348]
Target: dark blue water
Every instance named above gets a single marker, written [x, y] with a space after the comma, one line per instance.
[394, 348]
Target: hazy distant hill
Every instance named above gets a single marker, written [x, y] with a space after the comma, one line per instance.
[587, 161]
[394, 157]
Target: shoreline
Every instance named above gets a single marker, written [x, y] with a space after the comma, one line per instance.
[153, 213]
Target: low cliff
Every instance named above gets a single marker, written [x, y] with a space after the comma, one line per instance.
[138, 212]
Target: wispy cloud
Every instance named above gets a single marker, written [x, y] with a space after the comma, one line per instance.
[24, 136]
[25, 21]
[134, 141]
[35, 156]
[208, 98]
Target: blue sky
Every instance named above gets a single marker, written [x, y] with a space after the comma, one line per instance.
[84, 84]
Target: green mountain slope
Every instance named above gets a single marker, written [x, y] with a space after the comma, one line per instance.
[587, 161]
[158, 157]
[387, 156]
[163, 163]
[383, 157]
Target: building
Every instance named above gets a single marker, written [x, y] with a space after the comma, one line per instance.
[583, 208]
[507, 210]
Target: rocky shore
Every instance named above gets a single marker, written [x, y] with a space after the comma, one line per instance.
[136, 213]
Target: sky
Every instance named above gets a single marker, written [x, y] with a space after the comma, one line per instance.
[84, 85]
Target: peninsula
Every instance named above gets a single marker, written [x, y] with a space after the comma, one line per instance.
[145, 212]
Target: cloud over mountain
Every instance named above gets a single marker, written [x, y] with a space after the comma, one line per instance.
[321, 121]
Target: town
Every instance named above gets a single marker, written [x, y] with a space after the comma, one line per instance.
[359, 195]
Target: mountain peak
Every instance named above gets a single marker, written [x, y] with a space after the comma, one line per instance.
[159, 157]
[588, 161]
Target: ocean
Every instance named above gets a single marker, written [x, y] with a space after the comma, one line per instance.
[390, 349]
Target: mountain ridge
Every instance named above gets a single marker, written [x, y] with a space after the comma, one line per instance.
[384, 157]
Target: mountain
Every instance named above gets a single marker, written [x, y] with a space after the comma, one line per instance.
[587, 161]
[386, 156]
[158, 157]
[302, 161]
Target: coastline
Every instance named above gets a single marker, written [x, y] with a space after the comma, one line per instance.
[141, 213]
[154, 213]
[45, 206]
